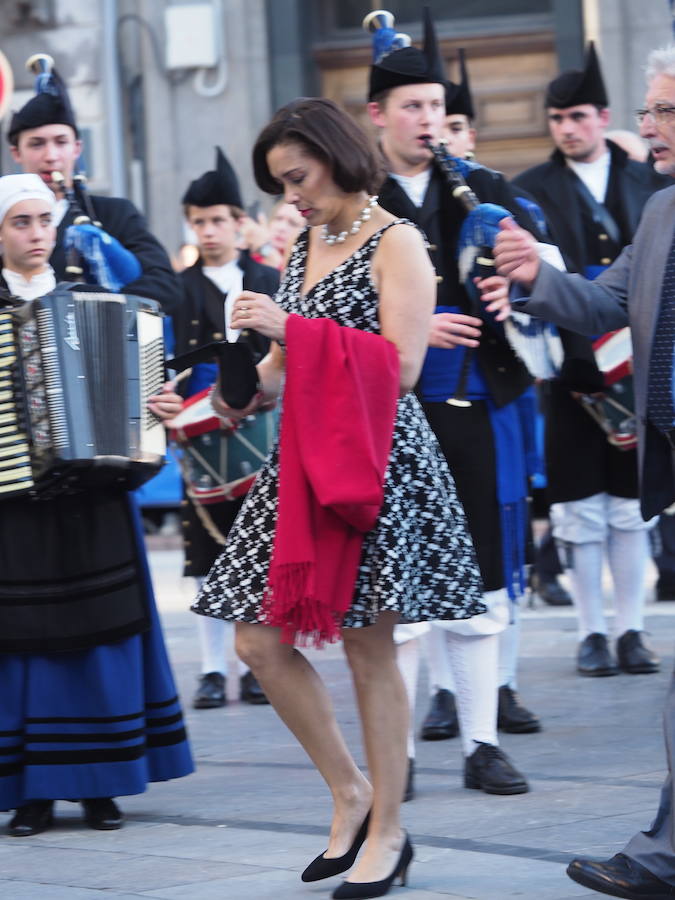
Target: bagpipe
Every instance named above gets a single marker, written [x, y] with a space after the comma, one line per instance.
[93, 256]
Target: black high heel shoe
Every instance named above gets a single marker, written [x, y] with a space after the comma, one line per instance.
[325, 868]
[352, 890]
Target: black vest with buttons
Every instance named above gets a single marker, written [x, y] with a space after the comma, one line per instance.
[440, 217]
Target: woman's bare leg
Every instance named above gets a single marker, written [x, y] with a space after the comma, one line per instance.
[383, 706]
[298, 695]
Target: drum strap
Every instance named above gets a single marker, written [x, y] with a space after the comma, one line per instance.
[202, 513]
[600, 213]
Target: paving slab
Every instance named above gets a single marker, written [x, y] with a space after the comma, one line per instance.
[255, 812]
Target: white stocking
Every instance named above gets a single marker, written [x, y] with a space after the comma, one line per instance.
[628, 553]
[438, 659]
[474, 665]
[586, 578]
[509, 644]
[408, 659]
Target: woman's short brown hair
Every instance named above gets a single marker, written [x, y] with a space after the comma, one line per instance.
[329, 135]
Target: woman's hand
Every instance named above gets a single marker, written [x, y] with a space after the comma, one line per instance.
[450, 330]
[167, 404]
[261, 313]
[229, 413]
[494, 291]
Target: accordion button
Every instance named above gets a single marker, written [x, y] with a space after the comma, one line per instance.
[603, 237]
[195, 322]
[432, 247]
[501, 369]
[439, 278]
[192, 341]
[605, 261]
[217, 335]
[186, 523]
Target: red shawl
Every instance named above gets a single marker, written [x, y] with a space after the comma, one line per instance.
[337, 426]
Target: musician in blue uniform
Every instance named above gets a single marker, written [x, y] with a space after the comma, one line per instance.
[44, 139]
[88, 706]
[214, 210]
[407, 104]
[592, 196]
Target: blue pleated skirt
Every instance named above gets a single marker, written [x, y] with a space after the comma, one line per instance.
[102, 722]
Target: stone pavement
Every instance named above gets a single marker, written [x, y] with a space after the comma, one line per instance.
[256, 812]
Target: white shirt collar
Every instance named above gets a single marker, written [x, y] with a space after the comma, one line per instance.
[37, 286]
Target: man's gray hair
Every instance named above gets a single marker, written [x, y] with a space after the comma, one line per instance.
[661, 62]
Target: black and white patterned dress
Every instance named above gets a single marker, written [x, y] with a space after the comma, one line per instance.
[418, 560]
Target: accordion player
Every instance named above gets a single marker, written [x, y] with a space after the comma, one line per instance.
[76, 370]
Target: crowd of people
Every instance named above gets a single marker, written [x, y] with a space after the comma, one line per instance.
[393, 510]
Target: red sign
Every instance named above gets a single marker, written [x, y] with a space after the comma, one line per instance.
[6, 84]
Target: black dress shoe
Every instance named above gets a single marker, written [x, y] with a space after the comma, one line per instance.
[620, 876]
[32, 818]
[211, 691]
[322, 867]
[633, 656]
[102, 813]
[250, 690]
[441, 721]
[489, 769]
[409, 791]
[552, 592]
[594, 658]
[512, 716]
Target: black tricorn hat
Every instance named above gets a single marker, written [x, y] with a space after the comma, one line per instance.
[216, 187]
[458, 100]
[578, 86]
[409, 65]
[51, 106]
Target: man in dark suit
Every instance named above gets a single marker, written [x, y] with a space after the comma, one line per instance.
[44, 139]
[639, 290]
[213, 209]
[592, 195]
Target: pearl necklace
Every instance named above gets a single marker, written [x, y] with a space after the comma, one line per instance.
[340, 238]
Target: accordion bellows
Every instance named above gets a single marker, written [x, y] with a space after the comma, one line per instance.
[76, 370]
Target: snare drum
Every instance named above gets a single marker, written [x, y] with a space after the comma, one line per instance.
[615, 412]
[220, 457]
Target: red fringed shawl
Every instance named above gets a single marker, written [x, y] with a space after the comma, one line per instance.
[340, 397]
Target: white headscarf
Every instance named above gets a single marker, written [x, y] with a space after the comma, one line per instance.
[15, 188]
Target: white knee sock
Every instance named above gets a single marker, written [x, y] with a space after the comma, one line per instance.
[628, 553]
[474, 665]
[440, 671]
[586, 578]
[212, 644]
[509, 645]
[408, 659]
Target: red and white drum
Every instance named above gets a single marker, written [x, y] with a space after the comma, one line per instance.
[220, 458]
[615, 411]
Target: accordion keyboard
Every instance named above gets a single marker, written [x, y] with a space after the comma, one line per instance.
[15, 468]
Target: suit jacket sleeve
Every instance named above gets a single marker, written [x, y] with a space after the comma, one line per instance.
[573, 302]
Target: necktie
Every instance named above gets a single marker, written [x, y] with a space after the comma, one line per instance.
[660, 385]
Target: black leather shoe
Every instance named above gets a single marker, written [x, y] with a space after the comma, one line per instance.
[250, 690]
[633, 656]
[441, 721]
[32, 818]
[211, 691]
[102, 813]
[512, 716]
[552, 592]
[489, 769]
[409, 792]
[620, 876]
[594, 658]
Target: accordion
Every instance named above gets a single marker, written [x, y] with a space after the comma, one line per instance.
[76, 369]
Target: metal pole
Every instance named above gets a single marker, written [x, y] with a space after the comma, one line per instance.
[113, 103]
